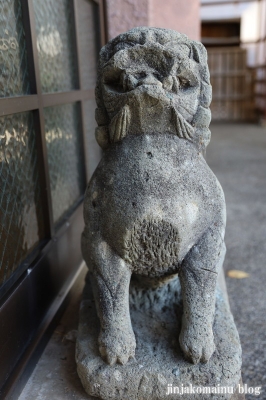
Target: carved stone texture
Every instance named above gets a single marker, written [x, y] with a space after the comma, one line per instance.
[153, 207]
[159, 362]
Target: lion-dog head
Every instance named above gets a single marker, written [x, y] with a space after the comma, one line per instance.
[153, 81]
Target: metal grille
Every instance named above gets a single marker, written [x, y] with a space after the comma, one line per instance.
[13, 58]
[55, 44]
[64, 146]
[21, 223]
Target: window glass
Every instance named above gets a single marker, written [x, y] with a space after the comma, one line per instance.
[55, 43]
[65, 156]
[89, 35]
[13, 58]
[21, 215]
[93, 150]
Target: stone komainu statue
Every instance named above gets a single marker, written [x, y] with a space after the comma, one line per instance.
[153, 206]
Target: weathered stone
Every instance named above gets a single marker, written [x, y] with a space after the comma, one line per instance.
[153, 208]
[158, 361]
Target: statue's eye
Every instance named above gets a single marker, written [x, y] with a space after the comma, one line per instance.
[140, 75]
[184, 83]
[158, 76]
[112, 78]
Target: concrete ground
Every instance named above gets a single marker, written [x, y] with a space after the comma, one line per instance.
[237, 155]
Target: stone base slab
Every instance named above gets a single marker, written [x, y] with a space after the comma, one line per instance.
[159, 362]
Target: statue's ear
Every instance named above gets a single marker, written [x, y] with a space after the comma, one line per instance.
[201, 121]
[205, 94]
[195, 53]
[102, 132]
[202, 118]
[199, 53]
[111, 131]
[119, 125]
[183, 128]
[101, 116]
[102, 136]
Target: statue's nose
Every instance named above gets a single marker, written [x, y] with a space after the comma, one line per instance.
[150, 79]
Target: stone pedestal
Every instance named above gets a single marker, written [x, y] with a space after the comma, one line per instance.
[159, 364]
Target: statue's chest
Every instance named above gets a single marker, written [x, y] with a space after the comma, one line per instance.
[149, 164]
[156, 199]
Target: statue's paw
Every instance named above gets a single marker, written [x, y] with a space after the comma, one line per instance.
[117, 345]
[197, 345]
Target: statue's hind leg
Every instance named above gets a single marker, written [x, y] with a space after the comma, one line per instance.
[110, 278]
[198, 276]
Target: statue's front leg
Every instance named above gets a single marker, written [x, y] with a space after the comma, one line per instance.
[198, 276]
[110, 278]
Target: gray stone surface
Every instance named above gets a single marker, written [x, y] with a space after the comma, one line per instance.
[158, 362]
[237, 153]
[153, 206]
[153, 209]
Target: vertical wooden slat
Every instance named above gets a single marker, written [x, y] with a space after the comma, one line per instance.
[232, 92]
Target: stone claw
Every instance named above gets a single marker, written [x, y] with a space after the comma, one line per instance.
[197, 346]
[117, 346]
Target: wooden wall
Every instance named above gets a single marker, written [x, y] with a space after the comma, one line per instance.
[232, 83]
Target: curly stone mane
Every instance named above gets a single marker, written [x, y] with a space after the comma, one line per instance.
[166, 40]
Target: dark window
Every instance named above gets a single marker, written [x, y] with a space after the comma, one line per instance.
[22, 219]
[48, 58]
[220, 33]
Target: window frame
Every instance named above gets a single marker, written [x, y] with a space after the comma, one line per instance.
[31, 299]
[37, 101]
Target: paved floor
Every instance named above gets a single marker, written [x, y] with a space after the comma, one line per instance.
[237, 155]
[55, 376]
